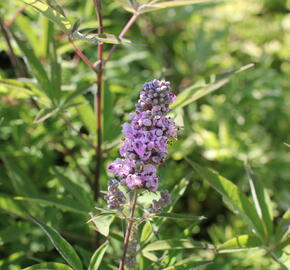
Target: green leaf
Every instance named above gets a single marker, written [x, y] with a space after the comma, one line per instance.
[52, 12]
[103, 223]
[11, 206]
[35, 66]
[21, 181]
[146, 232]
[48, 266]
[23, 89]
[79, 194]
[45, 114]
[150, 256]
[174, 244]
[101, 38]
[261, 199]
[64, 204]
[177, 192]
[283, 226]
[187, 264]
[62, 246]
[87, 114]
[234, 196]
[241, 242]
[196, 92]
[13, 232]
[179, 216]
[167, 4]
[98, 256]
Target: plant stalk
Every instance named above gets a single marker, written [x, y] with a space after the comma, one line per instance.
[128, 231]
[122, 34]
[98, 102]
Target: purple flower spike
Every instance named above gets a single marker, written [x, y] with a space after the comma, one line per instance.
[146, 138]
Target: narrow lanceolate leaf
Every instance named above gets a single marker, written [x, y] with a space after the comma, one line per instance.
[62, 246]
[35, 66]
[241, 242]
[49, 266]
[52, 12]
[234, 196]
[167, 4]
[187, 264]
[102, 223]
[261, 199]
[177, 192]
[64, 204]
[198, 91]
[179, 216]
[174, 244]
[283, 226]
[101, 38]
[194, 93]
[98, 256]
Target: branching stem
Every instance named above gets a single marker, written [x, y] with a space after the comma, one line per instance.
[122, 34]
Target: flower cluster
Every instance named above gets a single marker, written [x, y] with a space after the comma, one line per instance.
[146, 138]
[164, 200]
[115, 198]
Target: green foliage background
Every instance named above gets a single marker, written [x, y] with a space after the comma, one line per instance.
[53, 166]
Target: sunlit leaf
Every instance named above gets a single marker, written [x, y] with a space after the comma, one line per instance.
[98, 256]
[261, 199]
[167, 4]
[174, 244]
[240, 242]
[187, 264]
[48, 266]
[102, 223]
[11, 206]
[53, 12]
[102, 38]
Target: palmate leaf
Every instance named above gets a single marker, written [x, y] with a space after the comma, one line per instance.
[234, 197]
[62, 246]
[49, 266]
[52, 11]
[198, 91]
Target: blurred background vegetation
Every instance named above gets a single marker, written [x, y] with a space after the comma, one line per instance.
[248, 118]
